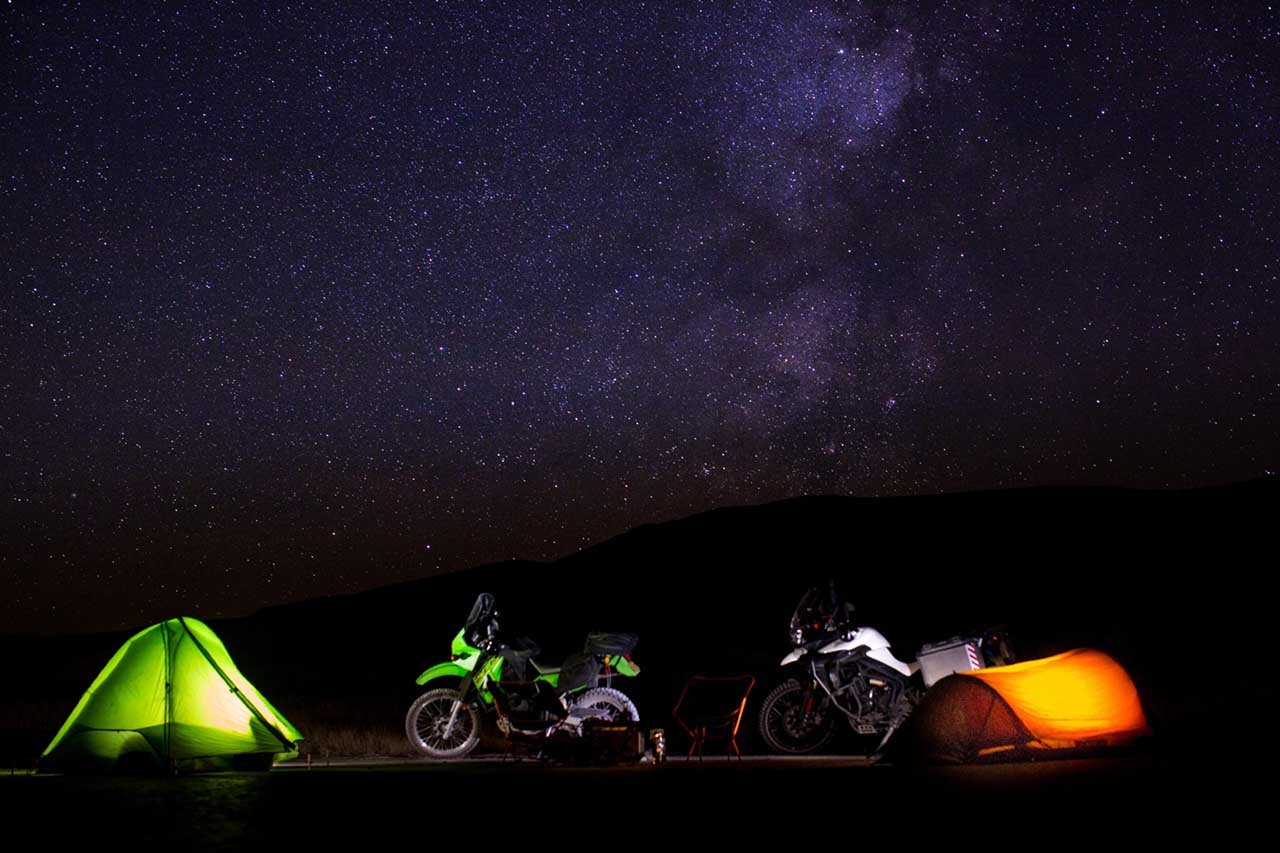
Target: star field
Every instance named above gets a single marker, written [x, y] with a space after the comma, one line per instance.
[301, 302]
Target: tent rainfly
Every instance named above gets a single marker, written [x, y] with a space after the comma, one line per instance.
[171, 698]
[1078, 700]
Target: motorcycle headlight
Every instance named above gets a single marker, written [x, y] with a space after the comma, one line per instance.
[797, 637]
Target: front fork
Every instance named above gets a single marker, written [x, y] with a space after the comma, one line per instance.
[463, 689]
[453, 718]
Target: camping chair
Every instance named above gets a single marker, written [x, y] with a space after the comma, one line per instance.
[712, 707]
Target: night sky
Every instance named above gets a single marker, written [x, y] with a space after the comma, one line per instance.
[304, 302]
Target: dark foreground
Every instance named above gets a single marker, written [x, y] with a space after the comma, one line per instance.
[809, 803]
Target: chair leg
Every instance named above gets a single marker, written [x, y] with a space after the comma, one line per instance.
[695, 741]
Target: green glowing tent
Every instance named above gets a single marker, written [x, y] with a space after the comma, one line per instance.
[171, 697]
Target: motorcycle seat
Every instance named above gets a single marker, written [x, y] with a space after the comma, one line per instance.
[545, 667]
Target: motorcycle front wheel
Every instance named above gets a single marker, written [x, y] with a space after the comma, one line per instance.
[788, 727]
[428, 724]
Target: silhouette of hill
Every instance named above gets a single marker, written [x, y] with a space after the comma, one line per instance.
[1171, 583]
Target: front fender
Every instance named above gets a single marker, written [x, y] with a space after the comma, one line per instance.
[442, 670]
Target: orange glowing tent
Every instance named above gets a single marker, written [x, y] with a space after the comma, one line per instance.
[1078, 700]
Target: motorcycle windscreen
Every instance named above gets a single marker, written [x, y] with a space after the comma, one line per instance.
[481, 623]
[481, 611]
[820, 609]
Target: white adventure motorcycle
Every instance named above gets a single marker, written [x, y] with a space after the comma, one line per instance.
[851, 673]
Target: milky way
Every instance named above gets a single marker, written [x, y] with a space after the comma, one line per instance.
[300, 303]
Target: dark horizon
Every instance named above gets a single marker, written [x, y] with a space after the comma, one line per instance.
[1230, 504]
[301, 306]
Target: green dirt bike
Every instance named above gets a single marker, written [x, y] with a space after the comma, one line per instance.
[445, 722]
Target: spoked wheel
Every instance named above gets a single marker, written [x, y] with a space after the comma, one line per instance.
[441, 725]
[614, 704]
[788, 726]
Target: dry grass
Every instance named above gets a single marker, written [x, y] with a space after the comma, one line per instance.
[34, 714]
[348, 728]
[26, 727]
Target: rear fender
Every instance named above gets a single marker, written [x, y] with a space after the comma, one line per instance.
[623, 665]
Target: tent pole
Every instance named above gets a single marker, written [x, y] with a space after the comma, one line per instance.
[168, 701]
[972, 752]
[236, 690]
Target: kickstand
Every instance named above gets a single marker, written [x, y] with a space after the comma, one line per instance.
[884, 740]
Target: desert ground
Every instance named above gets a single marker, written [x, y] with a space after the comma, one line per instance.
[809, 801]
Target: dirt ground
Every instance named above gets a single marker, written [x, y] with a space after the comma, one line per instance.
[752, 802]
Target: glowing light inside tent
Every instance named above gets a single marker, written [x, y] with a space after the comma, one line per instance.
[172, 691]
[1076, 696]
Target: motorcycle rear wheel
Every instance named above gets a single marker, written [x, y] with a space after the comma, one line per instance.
[608, 699]
[785, 726]
[428, 718]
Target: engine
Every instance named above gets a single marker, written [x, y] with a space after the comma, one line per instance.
[866, 690]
